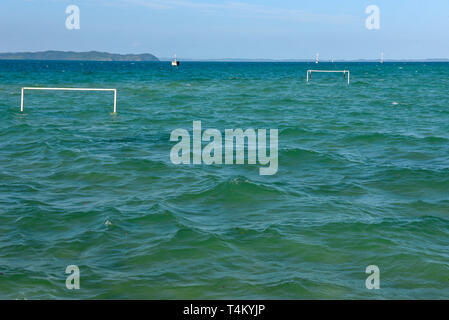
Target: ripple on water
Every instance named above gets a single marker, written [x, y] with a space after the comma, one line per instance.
[363, 179]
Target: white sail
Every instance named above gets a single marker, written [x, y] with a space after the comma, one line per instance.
[175, 62]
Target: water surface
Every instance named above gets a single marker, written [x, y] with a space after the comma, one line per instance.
[363, 179]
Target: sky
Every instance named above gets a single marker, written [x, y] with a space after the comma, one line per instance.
[215, 29]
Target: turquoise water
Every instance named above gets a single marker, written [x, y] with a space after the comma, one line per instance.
[363, 180]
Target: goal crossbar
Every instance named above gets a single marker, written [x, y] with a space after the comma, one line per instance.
[69, 89]
[309, 73]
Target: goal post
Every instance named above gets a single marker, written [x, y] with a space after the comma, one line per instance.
[309, 73]
[68, 89]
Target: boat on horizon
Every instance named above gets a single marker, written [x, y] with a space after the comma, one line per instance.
[175, 62]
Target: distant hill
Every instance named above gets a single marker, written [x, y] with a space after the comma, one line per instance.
[70, 55]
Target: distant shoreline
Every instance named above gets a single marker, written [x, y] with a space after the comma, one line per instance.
[76, 56]
[309, 60]
[53, 55]
[235, 61]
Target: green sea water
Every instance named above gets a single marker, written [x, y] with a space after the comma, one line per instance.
[363, 180]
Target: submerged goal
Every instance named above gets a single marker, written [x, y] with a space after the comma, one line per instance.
[309, 73]
[69, 89]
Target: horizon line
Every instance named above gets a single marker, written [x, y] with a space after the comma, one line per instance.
[232, 59]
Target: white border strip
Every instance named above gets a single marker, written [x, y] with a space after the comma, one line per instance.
[69, 89]
[328, 71]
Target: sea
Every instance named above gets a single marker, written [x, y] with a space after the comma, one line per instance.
[362, 180]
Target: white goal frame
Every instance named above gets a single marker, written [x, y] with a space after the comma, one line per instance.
[309, 73]
[69, 89]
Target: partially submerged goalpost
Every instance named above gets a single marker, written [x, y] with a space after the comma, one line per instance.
[309, 73]
[69, 89]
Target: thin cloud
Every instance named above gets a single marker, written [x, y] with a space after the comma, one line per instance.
[244, 9]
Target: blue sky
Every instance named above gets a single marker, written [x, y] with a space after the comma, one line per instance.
[200, 29]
